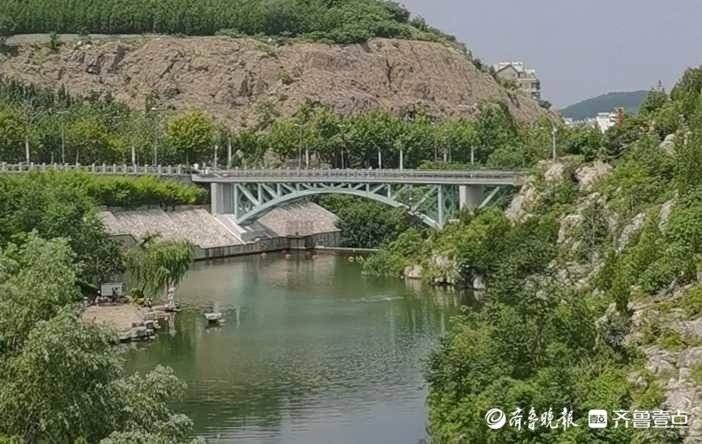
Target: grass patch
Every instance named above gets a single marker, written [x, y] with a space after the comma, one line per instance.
[671, 340]
[696, 373]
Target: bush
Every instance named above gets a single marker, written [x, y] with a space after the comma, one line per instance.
[399, 254]
[145, 190]
[54, 42]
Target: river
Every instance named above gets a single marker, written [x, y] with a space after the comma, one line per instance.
[318, 353]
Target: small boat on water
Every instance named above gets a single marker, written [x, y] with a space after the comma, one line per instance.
[213, 317]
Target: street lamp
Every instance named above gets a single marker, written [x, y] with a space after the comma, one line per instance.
[554, 131]
[155, 110]
[299, 148]
[63, 136]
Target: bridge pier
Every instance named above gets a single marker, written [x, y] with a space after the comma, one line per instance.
[470, 197]
[222, 198]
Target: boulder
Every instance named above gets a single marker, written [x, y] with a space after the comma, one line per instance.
[664, 214]
[555, 172]
[568, 226]
[660, 362]
[413, 272]
[588, 175]
[668, 145]
[518, 208]
[630, 230]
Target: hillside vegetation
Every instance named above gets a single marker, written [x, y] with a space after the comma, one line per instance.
[592, 292]
[59, 127]
[346, 21]
[630, 101]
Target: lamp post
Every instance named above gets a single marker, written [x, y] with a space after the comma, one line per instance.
[299, 145]
[229, 152]
[301, 128]
[63, 136]
[155, 110]
[554, 131]
[29, 116]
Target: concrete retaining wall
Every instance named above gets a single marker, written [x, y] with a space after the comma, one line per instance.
[331, 239]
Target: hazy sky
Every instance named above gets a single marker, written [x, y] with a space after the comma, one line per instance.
[579, 48]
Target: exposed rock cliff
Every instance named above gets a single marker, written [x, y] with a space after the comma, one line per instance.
[232, 79]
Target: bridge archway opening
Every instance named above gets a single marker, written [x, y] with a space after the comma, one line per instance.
[262, 209]
[433, 205]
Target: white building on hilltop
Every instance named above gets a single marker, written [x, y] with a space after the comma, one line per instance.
[517, 72]
[605, 121]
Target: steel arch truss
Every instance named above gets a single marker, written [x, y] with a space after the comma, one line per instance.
[432, 204]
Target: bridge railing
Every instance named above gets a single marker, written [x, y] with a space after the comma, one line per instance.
[359, 173]
[117, 169]
[262, 174]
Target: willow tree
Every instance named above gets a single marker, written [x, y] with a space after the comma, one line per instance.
[158, 265]
[61, 380]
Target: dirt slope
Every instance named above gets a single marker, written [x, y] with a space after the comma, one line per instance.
[232, 78]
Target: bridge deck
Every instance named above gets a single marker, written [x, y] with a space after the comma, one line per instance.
[209, 175]
[415, 177]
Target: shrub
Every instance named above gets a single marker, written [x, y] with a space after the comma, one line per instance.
[54, 42]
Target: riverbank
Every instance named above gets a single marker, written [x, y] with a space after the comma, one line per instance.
[298, 226]
[130, 322]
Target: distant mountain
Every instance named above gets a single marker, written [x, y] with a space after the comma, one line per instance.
[630, 101]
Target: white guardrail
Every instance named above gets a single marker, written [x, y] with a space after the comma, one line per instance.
[358, 173]
[120, 169]
[294, 174]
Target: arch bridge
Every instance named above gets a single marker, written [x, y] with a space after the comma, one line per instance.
[434, 196]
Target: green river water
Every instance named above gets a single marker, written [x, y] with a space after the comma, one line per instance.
[318, 353]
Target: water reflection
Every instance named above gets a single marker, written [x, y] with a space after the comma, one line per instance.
[310, 351]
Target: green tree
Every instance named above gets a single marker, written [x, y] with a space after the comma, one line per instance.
[36, 280]
[687, 91]
[89, 141]
[495, 129]
[653, 102]
[60, 380]
[7, 28]
[12, 131]
[157, 266]
[56, 205]
[584, 140]
[367, 224]
[190, 136]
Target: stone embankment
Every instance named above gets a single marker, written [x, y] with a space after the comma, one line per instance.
[129, 321]
[295, 226]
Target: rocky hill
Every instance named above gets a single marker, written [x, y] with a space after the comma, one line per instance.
[235, 80]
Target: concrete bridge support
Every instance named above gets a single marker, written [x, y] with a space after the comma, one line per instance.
[470, 196]
[222, 198]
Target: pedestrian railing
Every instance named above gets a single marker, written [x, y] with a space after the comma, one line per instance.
[208, 173]
[114, 169]
[357, 173]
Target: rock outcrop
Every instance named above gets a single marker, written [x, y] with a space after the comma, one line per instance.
[588, 175]
[233, 80]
